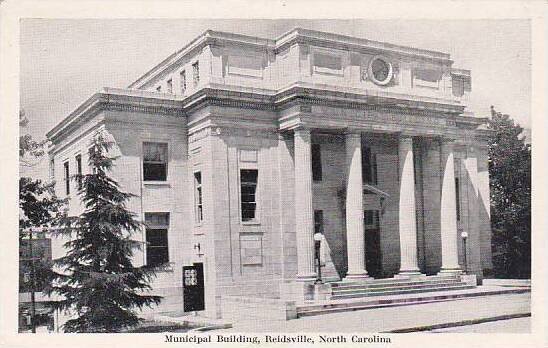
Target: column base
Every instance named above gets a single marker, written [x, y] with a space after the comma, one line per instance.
[449, 271]
[360, 277]
[409, 274]
[311, 277]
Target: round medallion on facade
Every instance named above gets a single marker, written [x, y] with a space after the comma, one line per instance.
[380, 70]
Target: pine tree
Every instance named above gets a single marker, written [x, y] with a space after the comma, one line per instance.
[98, 282]
[510, 183]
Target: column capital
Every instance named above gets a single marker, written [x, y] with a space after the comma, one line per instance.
[301, 131]
[446, 140]
[353, 135]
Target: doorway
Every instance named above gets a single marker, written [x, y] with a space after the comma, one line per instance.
[372, 243]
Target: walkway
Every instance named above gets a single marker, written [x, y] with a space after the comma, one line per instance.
[397, 318]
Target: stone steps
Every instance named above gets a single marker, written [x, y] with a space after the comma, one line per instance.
[398, 300]
[398, 290]
[388, 284]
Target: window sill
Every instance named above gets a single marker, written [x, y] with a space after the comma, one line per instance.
[157, 183]
[250, 223]
[167, 269]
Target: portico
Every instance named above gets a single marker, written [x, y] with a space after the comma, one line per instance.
[354, 207]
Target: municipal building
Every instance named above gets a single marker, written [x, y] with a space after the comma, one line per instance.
[243, 151]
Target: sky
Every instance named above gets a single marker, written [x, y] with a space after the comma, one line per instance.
[64, 61]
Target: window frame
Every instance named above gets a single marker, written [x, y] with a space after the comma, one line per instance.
[155, 141]
[198, 198]
[156, 228]
[182, 81]
[169, 85]
[375, 216]
[196, 73]
[256, 219]
[66, 176]
[78, 160]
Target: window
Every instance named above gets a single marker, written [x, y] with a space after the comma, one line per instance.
[154, 161]
[196, 73]
[159, 89]
[369, 167]
[183, 81]
[156, 238]
[198, 203]
[67, 177]
[79, 170]
[318, 221]
[52, 169]
[169, 86]
[457, 197]
[316, 162]
[371, 219]
[248, 190]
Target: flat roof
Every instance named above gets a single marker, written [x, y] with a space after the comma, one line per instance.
[295, 35]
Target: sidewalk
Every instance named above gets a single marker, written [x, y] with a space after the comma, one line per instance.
[398, 318]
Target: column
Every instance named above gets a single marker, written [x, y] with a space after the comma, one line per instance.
[449, 247]
[407, 210]
[304, 215]
[355, 234]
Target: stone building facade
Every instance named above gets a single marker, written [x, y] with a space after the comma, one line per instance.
[240, 148]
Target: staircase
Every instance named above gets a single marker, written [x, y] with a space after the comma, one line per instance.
[349, 296]
[386, 287]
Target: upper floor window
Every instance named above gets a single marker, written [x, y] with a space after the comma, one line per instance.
[52, 169]
[198, 197]
[157, 251]
[182, 75]
[79, 171]
[369, 166]
[196, 73]
[169, 85]
[248, 191]
[154, 161]
[316, 162]
[67, 177]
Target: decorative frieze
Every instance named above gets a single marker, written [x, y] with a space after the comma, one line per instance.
[202, 133]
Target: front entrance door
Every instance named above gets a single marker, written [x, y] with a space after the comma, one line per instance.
[372, 243]
[193, 287]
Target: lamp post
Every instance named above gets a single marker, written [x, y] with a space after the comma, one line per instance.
[317, 247]
[464, 236]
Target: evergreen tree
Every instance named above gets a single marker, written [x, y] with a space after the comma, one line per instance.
[510, 184]
[98, 282]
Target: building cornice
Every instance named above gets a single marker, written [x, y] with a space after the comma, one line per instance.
[114, 99]
[295, 36]
[307, 96]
